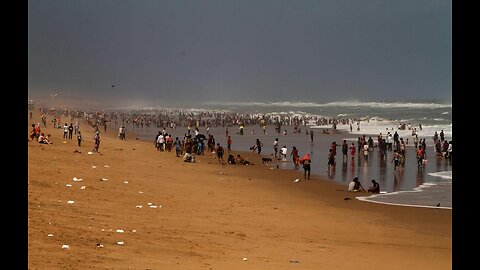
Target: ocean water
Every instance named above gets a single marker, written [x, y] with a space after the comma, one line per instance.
[425, 187]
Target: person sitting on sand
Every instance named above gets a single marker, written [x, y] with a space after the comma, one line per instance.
[231, 159]
[241, 160]
[188, 157]
[375, 188]
[355, 185]
[43, 140]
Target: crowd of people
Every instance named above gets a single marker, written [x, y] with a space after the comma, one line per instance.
[194, 143]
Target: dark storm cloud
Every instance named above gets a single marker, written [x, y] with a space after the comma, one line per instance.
[178, 52]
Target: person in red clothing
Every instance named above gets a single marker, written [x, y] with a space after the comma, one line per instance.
[305, 160]
[352, 150]
[229, 144]
[295, 156]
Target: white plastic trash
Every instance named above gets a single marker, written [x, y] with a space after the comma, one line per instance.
[70, 202]
[65, 246]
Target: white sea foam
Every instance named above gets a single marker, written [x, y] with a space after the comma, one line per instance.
[417, 105]
[442, 174]
[393, 198]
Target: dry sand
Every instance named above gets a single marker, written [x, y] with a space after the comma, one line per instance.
[210, 216]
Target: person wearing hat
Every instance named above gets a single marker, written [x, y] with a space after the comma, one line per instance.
[375, 188]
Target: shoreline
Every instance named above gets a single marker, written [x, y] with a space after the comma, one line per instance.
[212, 215]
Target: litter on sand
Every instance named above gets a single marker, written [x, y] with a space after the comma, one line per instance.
[296, 180]
[120, 243]
[106, 166]
[65, 246]
[93, 166]
[68, 185]
[153, 206]
[139, 206]
[141, 192]
[50, 235]
[90, 153]
[120, 231]
[77, 179]
[245, 259]
[126, 182]
[99, 246]
[83, 187]
[70, 202]
[104, 179]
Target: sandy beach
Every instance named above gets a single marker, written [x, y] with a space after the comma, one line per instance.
[208, 215]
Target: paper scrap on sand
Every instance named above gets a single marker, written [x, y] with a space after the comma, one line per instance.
[68, 185]
[120, 243]
[106, 166]
[83, 187]
[65, 246]
[90, 153]
[93, 166]
[120, 231]
[139, 206]
[104, 179]
[77, 179]
[296, 180]
[70, 202]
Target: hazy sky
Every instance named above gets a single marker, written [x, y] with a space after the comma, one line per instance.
[187, 52]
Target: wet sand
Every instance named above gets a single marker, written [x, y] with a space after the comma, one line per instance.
[212, 216]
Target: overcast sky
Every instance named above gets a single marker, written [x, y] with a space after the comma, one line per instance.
[192, 52]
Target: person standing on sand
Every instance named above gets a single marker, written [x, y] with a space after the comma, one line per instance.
[306, 161]
[65, 131]
[178, 147]
[70, 131]
[79, 138]
[311, 136]
[219, 151]
[96, 139]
